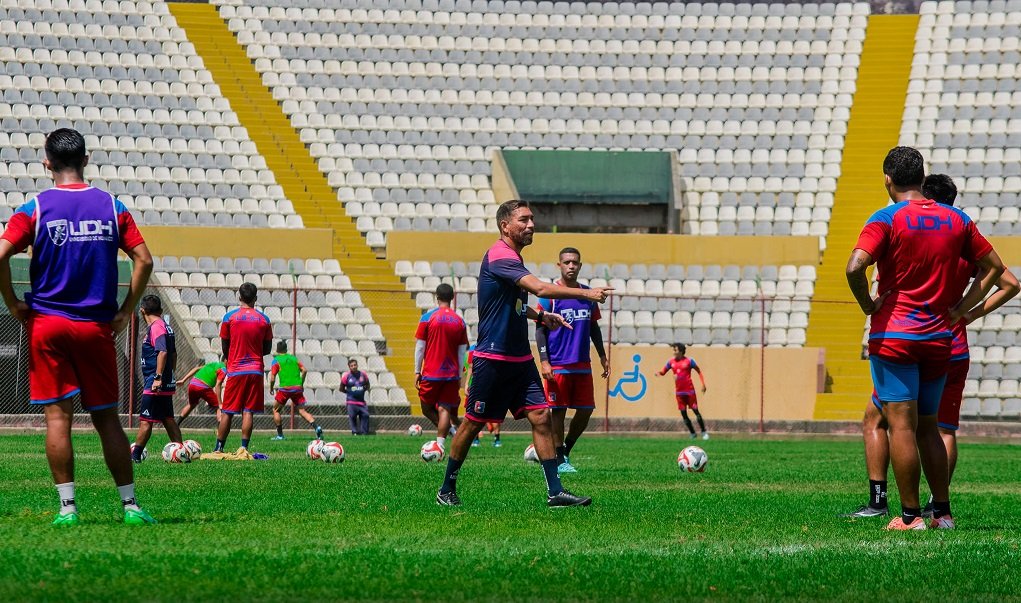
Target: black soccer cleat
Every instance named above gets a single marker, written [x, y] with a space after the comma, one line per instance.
[867, 511]
[566, 499]
[448, 499]
[927, 511]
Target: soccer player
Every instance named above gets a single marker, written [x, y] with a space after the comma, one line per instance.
[565, 359]
[440, 346]
[204, 383]
[291, 373]
[246, 336]
[159, 359]
[940, 188]
[355, 385]
[684, 389]
[916, 244]
[71, 314]
[504, 375]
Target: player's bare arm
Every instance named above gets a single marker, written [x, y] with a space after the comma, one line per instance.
[542, 344]
[859, 282]
[701, 377]
[540, 288]
[188, 377]
[550, 320]
[17, 307]
[991, 268]
[1007, 288]
[142, 260]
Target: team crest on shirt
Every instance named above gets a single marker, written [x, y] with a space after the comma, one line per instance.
[57, 229]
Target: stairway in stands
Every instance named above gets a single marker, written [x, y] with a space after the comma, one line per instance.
[873, 129]
[306, 187]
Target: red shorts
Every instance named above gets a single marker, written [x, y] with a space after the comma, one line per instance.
[297, 396]
[949, 416]
[570, 390]
[686, 401]
[440, 393]
[243, 393]
[203, 393]
[67, 357]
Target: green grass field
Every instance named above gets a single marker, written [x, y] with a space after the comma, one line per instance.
[759, 524]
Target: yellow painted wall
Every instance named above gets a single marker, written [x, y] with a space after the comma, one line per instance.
[1009, 249]
[612, 248]
[502, 182]
[239, 242]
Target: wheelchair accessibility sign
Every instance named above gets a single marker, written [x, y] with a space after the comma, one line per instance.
[632, 385]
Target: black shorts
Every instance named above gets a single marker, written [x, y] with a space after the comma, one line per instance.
[499, 386]
[154, 409]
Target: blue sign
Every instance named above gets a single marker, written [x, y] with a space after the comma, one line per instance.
[632, 385]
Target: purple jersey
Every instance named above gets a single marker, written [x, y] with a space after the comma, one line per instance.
[159, 337]
[75, 232]
[569, 349]
[355, 387]
[503, 326]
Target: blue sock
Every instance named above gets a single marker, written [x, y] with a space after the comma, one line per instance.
[219, 445]
[450, 477]
[549, 469]
[244, 443]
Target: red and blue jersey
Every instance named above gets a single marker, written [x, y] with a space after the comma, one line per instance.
[159, 337]
[248, 330]
[443, 332]
[75, 231]
[682, 374]
[569, 350]
[503, 323]
[355, 387]
[912, 242]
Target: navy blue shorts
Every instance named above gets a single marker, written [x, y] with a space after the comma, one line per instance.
[499, 386]
[154, 409]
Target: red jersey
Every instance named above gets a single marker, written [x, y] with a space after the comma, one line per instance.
[912, 243]
[443, 332]
[682, 374]
[247, 329]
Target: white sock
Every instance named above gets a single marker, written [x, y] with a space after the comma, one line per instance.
[66, 493]
[441, 441]
[127, 493]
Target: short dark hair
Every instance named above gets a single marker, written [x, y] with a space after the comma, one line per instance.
[445, 293]
[940, 188]
[904, 166]
[248, 292]
[573, 250]
[350, 360]
[508, 207]
[281, 347]
[680, 347]
[65, 149]
[151, 304]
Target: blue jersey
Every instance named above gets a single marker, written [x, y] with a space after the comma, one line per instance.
[75, 231]
[159, 337]
[569, 349]
[355, 384]
[503, 326]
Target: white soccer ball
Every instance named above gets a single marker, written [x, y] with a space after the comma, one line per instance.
[432, 451]
[531, 455]
[194, 449]
[692, 459]
[332, 452]
[145, 451]
[175, 452]
[314, 450]
[415, 430]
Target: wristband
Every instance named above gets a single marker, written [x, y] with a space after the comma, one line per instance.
[539, 315]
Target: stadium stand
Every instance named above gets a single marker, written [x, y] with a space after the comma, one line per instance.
[163, 137]
[311, 299]
[658, 304]
[962, 107]
[402, 102]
